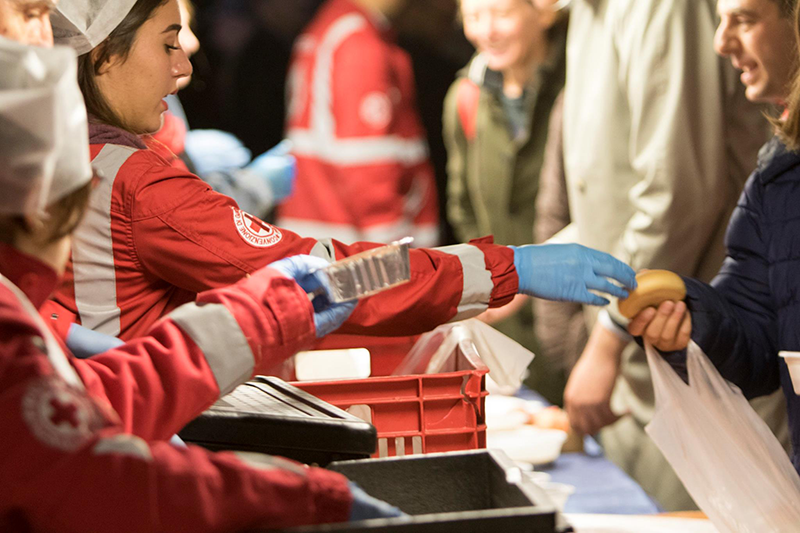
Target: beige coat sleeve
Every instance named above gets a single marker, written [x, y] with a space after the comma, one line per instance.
[675, 88]
[679, 97]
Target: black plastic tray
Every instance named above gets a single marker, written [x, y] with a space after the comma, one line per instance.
[268, 415]
[478, 491]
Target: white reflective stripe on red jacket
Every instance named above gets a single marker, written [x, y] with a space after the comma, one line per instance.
[425, 236]
[477, 280]
[325, 147]
[217, 333]
[93, 249]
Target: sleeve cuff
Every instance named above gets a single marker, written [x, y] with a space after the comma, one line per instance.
[605, 320]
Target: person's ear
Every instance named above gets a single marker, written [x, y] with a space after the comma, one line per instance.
[35, 226]
[97, 53]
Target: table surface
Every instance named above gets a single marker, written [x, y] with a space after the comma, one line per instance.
[637, 524]
[601, 487]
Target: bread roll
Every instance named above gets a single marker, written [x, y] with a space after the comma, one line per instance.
[654, 287]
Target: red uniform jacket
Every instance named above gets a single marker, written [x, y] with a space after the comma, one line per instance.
[155, 236]
[82, 445]
[362, 156]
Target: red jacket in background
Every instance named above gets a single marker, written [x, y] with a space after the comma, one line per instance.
[155, 236]
[362, 155]
[83, 440]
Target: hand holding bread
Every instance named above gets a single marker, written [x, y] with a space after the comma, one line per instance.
[657, 310]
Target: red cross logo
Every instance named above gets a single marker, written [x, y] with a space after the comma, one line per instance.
[255, 225]
[63, 412]
[253, 231]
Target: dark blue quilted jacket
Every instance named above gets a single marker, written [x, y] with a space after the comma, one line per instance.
[752, 308]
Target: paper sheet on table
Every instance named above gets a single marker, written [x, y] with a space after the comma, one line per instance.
[592, 523]
[505, 358]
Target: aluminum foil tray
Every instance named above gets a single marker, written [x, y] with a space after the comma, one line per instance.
[369, 272]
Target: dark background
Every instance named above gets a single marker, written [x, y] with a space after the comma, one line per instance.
[240, 70]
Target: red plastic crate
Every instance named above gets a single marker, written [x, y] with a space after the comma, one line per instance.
[415, 414]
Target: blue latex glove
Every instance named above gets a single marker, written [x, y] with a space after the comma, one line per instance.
[366, 507]
[301, 268]
[215, 151]
[84, 342]
[566, 272]
[278, 167]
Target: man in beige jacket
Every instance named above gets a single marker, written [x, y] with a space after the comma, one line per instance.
[658, 141]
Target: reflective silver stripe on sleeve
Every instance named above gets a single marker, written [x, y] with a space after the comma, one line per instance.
[214, 329]
[93, 249]
[324, 249]
[478, 285]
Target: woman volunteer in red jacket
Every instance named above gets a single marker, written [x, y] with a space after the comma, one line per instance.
[83, 446]
[156, 236]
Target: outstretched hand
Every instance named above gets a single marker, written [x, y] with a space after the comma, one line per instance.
[667, 328]
[568, 272]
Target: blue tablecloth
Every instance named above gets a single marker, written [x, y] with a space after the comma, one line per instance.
[601, 487]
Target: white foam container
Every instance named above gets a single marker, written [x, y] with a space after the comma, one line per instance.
[352, 363]
[792, 360]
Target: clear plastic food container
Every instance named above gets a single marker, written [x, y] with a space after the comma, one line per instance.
[369, 272]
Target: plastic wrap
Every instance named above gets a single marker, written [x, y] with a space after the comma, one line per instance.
[369, 272]
[725, 455]
[436, 352]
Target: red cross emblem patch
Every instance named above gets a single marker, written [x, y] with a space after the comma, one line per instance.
[254, 231]
[58, 415]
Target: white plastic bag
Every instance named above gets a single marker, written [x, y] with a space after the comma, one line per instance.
[435, 352]
[724, 454]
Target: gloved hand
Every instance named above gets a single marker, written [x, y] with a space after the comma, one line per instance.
[566, 272]
[215, 151]
[84, 342]
[278, 167]
[328, 316]
[366, 507]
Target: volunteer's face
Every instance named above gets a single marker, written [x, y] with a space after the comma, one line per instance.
[136, 87]
[187, 38]
[760, 43]
[505, 31]
[27, 21]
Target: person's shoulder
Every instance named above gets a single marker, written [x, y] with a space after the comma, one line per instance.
[777, 162]
[13, 316]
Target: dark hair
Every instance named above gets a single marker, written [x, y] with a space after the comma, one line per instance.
[62, 218]
[117, 44]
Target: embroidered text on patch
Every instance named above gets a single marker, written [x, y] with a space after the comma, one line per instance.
[255, 232]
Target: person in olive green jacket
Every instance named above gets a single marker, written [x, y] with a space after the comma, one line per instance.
[496, 117]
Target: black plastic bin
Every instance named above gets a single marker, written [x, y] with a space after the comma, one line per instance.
[268, 415]
[477, 491]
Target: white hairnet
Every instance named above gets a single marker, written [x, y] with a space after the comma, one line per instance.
[83, 24]
[44, 137]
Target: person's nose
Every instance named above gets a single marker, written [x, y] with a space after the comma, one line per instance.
[182, 67]
[724, 43]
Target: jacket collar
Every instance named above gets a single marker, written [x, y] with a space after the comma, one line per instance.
[34, 278]
[101, 133]
[774, 159]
